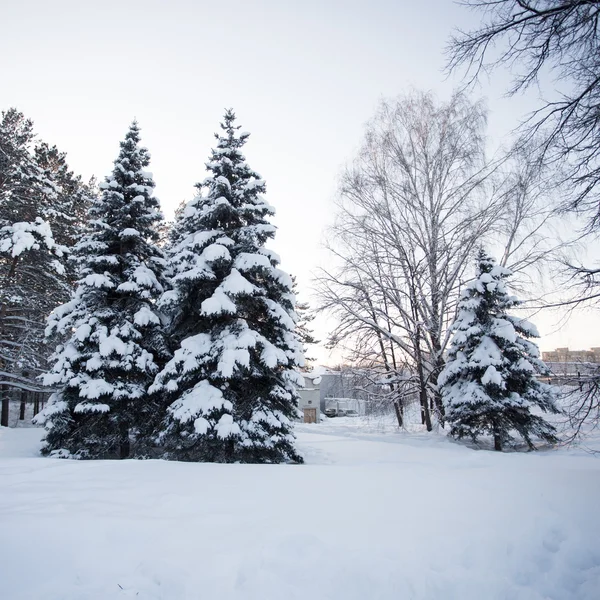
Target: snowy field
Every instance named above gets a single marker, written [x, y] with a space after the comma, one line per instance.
[373, 514]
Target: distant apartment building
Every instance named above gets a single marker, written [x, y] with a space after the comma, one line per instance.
[563, 362]
[564, 355]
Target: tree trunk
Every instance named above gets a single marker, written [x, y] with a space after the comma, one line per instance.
[497, 439]
[125, 445]
[22, 407]
[399, 415]
[438, 405]
[425, 414]
[4, 414]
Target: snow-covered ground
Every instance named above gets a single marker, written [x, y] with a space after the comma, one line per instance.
[373, 514]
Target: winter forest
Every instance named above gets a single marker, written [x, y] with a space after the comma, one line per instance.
[182, 399]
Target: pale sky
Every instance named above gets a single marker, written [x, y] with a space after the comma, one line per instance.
[303, 78]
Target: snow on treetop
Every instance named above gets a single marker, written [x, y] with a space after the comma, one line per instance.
[25, 236]
[235, 346]
[504, 329]
[491, 376]
[525, 326]
[111, 343]
[271, 355]
[94, 388]
[525, 365]
[246, 261]
[235, 283]
[271, 255]
[129, 232]
[98, 280]
[196, 239]
[283, 278]
[218, 303]
[226, 427]
[486, 353]
[201, 400]
[254, 183]
[280, 314]
[146, 277]
[145, 316]
[223, 180]
[499, 271]
[215, 252]
[87, 407]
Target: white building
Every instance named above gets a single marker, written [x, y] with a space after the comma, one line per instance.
[310, 398]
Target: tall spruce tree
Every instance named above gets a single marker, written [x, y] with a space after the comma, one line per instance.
[113, 332]
[231, 384]
[489, 383]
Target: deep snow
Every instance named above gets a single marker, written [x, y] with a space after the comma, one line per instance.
[373, 514]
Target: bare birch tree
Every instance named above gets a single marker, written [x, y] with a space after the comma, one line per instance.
[412, 208]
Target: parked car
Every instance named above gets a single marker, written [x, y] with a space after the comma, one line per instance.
[331, 412]
[351, 413]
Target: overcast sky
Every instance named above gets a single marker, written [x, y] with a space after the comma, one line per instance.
[302, 76]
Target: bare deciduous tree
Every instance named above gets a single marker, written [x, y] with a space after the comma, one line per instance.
[556, 37]
[411, 210]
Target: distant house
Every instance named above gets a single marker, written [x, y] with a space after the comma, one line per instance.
[310, 397]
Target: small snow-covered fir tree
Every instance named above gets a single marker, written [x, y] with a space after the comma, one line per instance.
[111, 329]
[231, 384]
[489, 383]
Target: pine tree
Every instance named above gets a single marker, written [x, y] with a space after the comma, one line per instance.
[489, 383]
[113, 332]
[68, 210]
[231, 385]
[31, 262]
[303, 330]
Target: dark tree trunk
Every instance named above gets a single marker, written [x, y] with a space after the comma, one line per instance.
[22, 406]
[425, 414]
[125, 448]
[497, 439]
[4, 414]
[125, 445]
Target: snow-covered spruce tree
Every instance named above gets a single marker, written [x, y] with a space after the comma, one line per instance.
[230, 386]
[112, 331]
[489, 383]
[32, 273]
